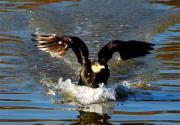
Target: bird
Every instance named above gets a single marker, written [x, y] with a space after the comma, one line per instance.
[93, 72]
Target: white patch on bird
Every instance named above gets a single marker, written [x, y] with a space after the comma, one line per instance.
[41, 46]
[65, 46]
[40, 41]
[96, 68]
[43, 49]
[60, 42]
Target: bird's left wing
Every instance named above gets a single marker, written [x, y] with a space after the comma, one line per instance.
[56, 45]
[126, 49]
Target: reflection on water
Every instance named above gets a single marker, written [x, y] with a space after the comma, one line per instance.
[95, 114]
[169, 53]
[92, 118]
[9, 60]
[24, 100]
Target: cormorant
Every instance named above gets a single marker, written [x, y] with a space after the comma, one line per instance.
[95, 72]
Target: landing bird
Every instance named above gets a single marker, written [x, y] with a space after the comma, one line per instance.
[92, 72]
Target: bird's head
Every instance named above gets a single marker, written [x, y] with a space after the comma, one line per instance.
[97, 67]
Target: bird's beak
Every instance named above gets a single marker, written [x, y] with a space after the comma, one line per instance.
[101, 67]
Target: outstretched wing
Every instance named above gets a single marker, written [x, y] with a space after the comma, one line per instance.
[54, 44]
[58, 45]
[126, 49]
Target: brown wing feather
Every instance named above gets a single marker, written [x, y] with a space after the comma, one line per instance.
[56, 45]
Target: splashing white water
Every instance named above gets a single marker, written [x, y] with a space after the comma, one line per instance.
[86, 95]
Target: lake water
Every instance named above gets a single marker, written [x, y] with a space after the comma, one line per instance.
[30, 92]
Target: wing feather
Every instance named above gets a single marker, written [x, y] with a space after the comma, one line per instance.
[126, 49]
[51, 43]
[58, 45]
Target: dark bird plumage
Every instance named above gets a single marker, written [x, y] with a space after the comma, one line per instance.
[95, 72]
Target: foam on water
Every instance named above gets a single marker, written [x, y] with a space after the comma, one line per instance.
[86, 95]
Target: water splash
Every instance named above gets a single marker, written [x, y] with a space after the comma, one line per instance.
[85, 95]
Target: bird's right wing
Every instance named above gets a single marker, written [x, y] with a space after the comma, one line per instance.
[58, 45]
[126, 49]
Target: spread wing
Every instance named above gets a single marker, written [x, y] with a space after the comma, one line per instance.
[126, 49]
[58, 45]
